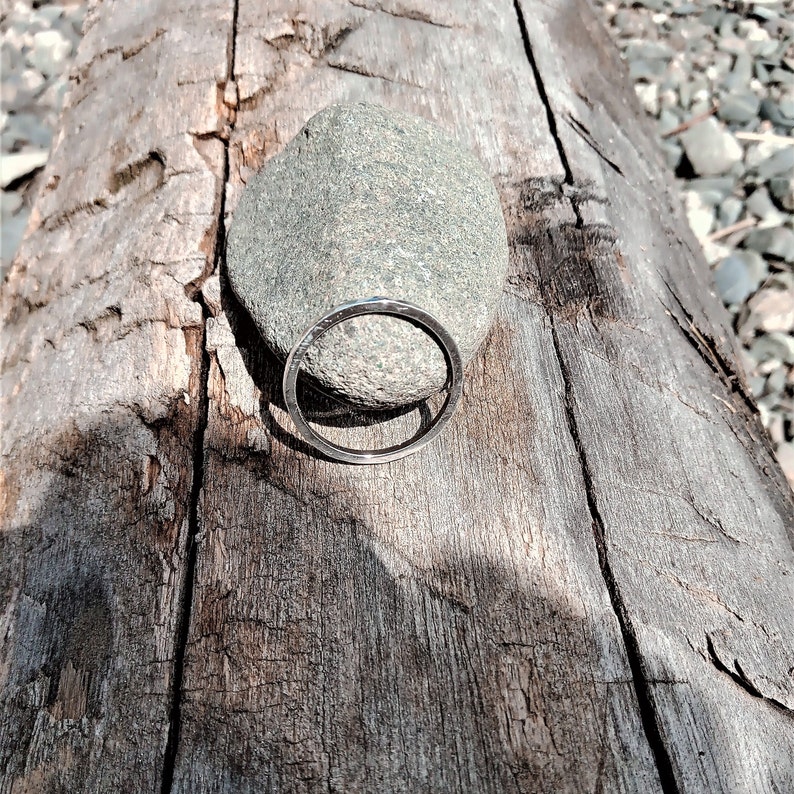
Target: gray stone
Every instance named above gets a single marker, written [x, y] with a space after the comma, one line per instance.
[775, 346]
[776, 381]
[667, 121]
[76, 17]
[772, 111]
[709, 196]
[48, 14]
[786, 105]
[730, 211]
[782, 189]
[711, 149]
[11, 202]
[721, 184]
[739, 108]
[777, 242]
[685, 94]
[672, 154]
[727, 26]
[733, 280]
[756, 265]
[25, 129]
[780, 75]
[780, 163]
[757, 385]
[762, 207]
[742, 71]
[50, 51]
[648, 50]
[699, 214]
[363, 202]
[629, 23]
[11, 235]
[648, 94]
[732, 44]
[647, 70]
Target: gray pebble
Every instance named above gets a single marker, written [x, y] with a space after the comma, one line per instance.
[778, 164]
[762, 207]
[711, 149]
[773, 111]
[730, 211]
[777, 242]
[782, 188]
[647, 70]
[12, 230]
[784, 76]
[48, 14]
[727, 26]
[668, 120]
[757, 385]
[776, 381]
[648, 50]
[709, 196]
[773, 346]
[712, 16]
[12, 201]
[672, 154]
[756, 265]
[23, 129]
[630, 24]
[741, 74]
[732, 44]
[786, 105]
[366, 201]
[733, 280]
[721, 184]
[50, 51]
[739, 108]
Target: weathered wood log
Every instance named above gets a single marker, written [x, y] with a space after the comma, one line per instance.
[584, 585]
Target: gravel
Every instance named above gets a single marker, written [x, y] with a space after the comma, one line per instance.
[37, 47]
[726, 72]
[687, 58]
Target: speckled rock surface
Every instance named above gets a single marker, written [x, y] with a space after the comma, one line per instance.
[363, 202]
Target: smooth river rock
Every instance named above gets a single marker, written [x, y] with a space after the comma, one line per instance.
[368, 202]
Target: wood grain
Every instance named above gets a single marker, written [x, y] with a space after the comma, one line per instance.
[583, 585]
[101, 389]
[691, 515]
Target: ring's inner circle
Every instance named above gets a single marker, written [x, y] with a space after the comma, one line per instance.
[376, 361]
[362, 428]
[375, 452]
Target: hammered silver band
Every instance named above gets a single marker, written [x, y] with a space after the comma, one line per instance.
[346, 311]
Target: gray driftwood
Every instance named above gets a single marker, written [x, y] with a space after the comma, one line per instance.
[584, 585]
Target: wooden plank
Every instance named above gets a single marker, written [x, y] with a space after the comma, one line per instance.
[441, 623]
[691, 514]
[582, 586]
[101, 393]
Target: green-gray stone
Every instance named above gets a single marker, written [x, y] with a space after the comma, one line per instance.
[366, 202]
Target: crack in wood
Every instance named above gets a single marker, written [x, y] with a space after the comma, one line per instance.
[739, 677]
[708, 350]
[642, 685]
[183, 620]
[413, 15]
[363, 71]
[585, 135]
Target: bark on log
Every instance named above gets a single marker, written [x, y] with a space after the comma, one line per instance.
[584, 585]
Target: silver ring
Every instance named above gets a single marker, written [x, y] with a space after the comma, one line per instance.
[396, 308]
